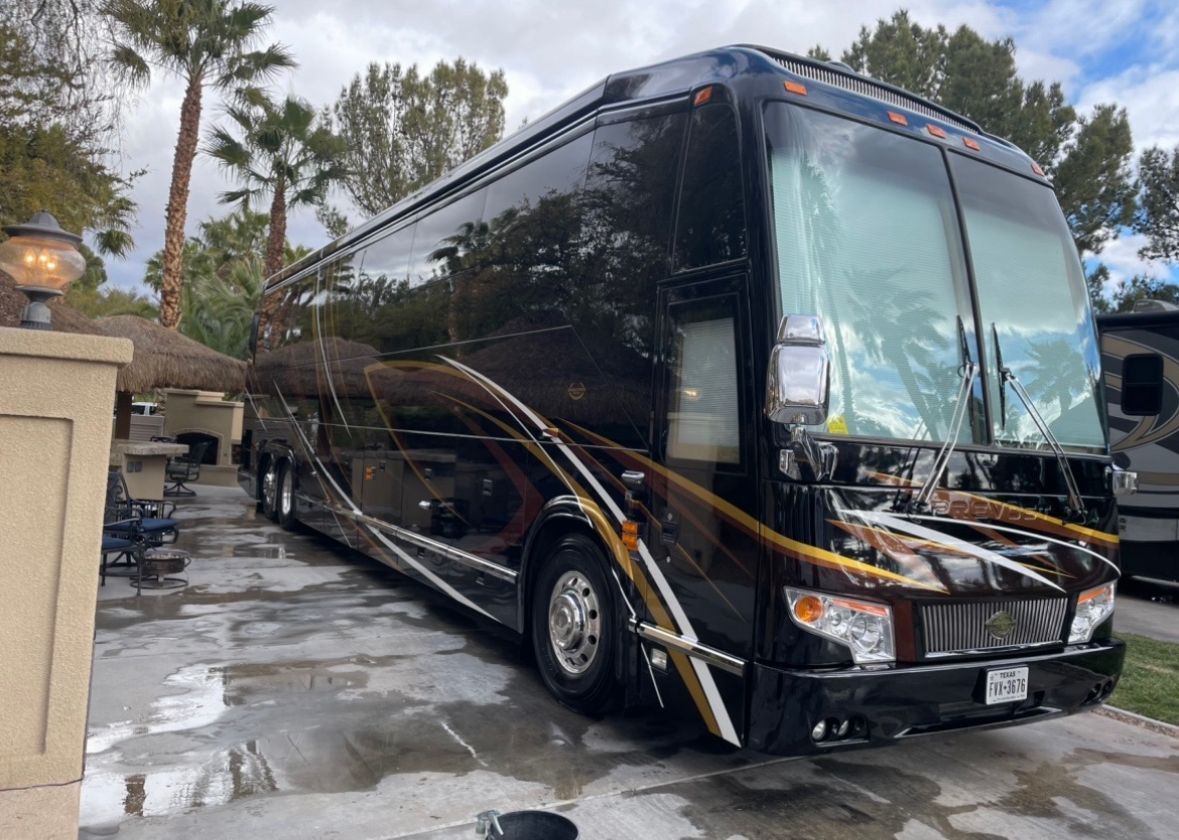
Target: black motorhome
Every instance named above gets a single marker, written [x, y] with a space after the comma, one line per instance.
[741, 381]
[1140, 355]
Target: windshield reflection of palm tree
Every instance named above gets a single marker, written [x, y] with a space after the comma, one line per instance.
[910, 343]
[1053, 376]
[914, 351]
[821, 236]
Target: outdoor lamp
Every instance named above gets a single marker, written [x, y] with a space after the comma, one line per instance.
[43, 260]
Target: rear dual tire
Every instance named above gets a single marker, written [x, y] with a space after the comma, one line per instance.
[278, 493]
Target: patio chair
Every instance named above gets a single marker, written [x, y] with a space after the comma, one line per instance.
[185, 468]
[121, 537]
[139, 517]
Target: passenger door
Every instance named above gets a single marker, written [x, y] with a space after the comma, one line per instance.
[706, 504]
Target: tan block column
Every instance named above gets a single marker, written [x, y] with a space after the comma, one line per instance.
[57, 394]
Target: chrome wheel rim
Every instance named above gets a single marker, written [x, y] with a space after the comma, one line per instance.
[575, 623]
[269, 491]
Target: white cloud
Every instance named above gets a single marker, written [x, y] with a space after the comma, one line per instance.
[1047, 67]
[1121, 257]
[1150, 95]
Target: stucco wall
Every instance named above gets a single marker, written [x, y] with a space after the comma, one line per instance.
[56, 397]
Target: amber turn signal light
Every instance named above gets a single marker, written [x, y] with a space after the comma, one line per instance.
[808, 609]
[936, 131]
[703, 96]
[630, 534]
[899, 119]
[971, 144]
[795, 87]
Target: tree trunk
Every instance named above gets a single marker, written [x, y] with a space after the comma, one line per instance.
[275, 252]
[277, 239]
[186, 147]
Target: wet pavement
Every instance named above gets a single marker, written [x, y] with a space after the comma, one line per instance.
[295, 689]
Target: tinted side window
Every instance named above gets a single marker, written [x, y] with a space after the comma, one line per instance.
[386, 260]
[628, 206]
[711, 224]
[443, 234]
[558, 172]
[1142, 384]
[525, 256]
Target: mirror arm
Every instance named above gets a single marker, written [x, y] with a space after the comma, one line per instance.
[821, 458]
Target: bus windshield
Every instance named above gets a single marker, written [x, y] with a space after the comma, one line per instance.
[868, 239]
[1034, 308]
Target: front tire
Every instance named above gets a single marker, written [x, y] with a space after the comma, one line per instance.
[574, 626]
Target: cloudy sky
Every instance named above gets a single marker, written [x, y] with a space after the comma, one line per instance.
[1124, 51]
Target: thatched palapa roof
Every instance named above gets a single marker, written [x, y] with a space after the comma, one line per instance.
[166, 359]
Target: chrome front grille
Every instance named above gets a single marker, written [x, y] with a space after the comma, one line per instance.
[961, 627]
[867, 87]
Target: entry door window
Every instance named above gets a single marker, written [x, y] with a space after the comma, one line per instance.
[704, 412]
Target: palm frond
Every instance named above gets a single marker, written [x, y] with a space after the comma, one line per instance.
[130, 64]
[251, 66]
[114, 242]
[228, 150]
[241, 196]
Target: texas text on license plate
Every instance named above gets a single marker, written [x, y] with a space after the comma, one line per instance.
[1007, 685]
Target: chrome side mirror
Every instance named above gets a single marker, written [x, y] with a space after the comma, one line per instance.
[1123, 482]
[798, 380]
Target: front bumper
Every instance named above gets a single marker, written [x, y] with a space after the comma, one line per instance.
[892, 703]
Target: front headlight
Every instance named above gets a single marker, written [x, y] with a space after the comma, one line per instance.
[864, 627]
[1094, 606]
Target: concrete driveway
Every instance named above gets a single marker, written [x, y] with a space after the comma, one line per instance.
[297, 690]
[1149, 608]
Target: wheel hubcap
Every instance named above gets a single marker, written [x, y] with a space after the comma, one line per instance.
[575, 622]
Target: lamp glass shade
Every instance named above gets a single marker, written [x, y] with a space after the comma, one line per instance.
[36, 262]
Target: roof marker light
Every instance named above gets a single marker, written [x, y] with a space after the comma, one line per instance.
[795, 87]
[899, 119]
[971, 144]
[936, 131]
[1036, 168]
[703, 96]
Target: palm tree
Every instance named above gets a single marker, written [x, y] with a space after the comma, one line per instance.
[221, 306]
[282, 152]
[203, 42]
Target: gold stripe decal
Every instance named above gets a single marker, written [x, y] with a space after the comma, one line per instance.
[1002, 511]
[738, 517]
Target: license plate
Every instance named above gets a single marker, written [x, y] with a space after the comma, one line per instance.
[1007, 685]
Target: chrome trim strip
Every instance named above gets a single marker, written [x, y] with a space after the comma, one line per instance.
[693, 648]
[447, 551]
[1010, 650]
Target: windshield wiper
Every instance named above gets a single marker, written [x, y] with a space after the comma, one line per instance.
[1007, 376]
[968, 372]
